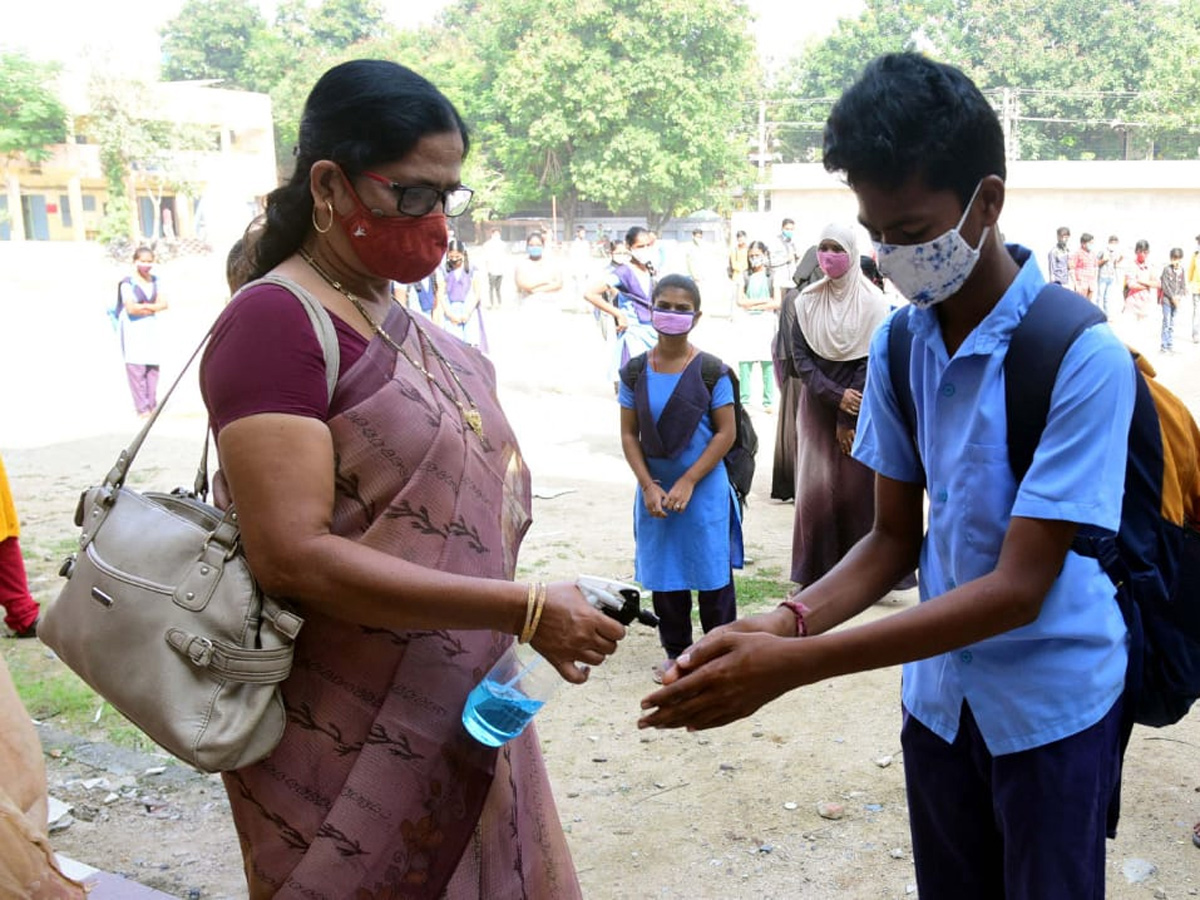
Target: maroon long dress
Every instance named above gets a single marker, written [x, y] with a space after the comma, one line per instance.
[835, 500]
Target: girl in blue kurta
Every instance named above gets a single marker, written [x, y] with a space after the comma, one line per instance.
[675, 434]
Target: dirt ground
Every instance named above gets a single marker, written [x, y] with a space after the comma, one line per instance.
[730, 813]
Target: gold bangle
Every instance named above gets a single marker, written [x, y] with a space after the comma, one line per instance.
[530, 603]
[537, 615]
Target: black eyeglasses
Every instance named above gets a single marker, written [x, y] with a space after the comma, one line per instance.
[419, 200]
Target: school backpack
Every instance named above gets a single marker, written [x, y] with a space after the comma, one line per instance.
[1154, 559]
[739, 460]
[114, 311]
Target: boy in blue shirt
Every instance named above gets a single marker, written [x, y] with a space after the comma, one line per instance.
[1014, 660]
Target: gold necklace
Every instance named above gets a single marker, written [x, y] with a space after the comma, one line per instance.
[469, 413]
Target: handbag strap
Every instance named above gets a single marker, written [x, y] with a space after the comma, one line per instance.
[326, 336]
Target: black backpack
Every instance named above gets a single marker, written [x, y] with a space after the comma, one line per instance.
[739, 461]
[1154, 559]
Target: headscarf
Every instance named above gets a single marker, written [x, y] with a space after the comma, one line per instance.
[838, 315]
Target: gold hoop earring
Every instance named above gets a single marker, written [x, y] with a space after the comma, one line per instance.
[320, 230]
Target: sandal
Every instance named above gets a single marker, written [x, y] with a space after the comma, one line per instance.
[660, 669]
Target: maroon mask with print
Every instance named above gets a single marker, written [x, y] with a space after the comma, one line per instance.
[401, 248]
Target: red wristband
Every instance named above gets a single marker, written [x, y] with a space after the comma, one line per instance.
[801, 611]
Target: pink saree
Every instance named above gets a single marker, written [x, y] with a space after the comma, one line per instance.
[376, 790]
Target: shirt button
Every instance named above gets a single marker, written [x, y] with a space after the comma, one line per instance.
[942, 496]
[965, 656]
[948, 390]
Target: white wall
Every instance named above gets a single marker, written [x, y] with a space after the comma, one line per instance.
[1155, 200]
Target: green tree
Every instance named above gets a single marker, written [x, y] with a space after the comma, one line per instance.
[31, 115]
[337, 24]
[1071, 72]
[140, 150]
[632, 104]
[212, 39]
[229, 40]
[1069, 80]
[801, 95]
[1172, 103]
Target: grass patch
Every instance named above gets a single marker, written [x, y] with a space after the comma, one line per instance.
[61, 697]
[53, 693]
[756, 593]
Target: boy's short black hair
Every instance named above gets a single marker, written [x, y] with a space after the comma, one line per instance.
[681, 282]
[1176, 253]
[907, 116]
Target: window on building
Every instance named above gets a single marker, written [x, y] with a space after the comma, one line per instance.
[89, 202]
[64, 205]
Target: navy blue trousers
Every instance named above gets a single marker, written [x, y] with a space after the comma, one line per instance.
[1014, 827]
[674, 611]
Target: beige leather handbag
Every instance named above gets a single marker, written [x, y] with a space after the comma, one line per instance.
[162, 616]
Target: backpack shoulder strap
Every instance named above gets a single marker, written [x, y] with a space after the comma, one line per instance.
[899, 366]
[711, 369]
[1039, 343]
[632, 371]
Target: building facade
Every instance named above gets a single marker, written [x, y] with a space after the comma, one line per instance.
[63, 198]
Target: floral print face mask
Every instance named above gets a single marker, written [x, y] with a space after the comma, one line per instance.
[928, 273]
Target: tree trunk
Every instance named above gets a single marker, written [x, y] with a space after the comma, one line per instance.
[135, 236]
[656, 221]
[569, 210]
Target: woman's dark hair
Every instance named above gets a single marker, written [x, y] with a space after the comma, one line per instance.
[632, 234]
[1142, 246]
[680, 282]
[907, 116]
[144, 248]
[459, 247]
[535, 236]
[871, 271]
[359, 114]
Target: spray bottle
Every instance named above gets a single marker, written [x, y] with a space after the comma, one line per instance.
[521, 681]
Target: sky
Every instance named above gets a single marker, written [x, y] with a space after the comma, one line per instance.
[125, 25]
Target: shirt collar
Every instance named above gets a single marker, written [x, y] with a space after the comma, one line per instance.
[998, 325]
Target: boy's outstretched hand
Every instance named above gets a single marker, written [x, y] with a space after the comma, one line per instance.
[726, 675]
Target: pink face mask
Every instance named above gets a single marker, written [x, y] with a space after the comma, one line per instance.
[666, 321]
[402, 248]
[834, 263]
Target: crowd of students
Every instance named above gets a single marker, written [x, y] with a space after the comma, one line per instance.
[1130, 283]
[392, 511]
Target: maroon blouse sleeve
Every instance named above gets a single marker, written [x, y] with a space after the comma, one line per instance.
[264, 357]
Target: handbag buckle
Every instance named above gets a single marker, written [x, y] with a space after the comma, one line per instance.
[200, 651]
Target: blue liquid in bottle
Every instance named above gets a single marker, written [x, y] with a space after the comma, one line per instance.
[497, 713]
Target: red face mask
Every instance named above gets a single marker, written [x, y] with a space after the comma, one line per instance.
[401, 248]
[1141, 257]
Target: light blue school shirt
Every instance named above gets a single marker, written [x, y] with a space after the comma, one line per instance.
[1061, 673]
[694, 550]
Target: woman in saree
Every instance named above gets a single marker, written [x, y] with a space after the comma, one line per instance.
[390, 513]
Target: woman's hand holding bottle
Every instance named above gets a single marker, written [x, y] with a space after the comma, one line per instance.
[572, 631]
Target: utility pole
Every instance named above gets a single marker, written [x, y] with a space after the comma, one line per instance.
[762, 155]
[1008, 122]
